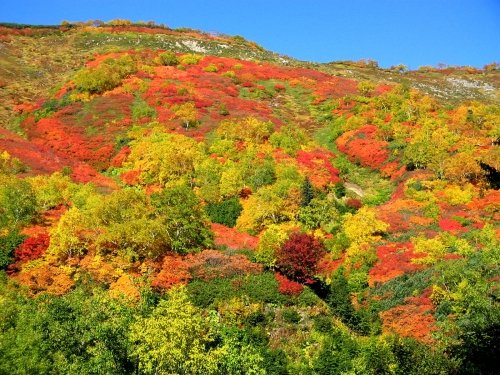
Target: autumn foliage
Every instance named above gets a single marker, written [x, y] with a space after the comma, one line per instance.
[32, 248]
[287, 286]
[298, 257]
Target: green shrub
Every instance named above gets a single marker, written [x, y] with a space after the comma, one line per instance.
[336, 355]
[289, 138]
[141, 109]
[18, 203]
[168, 58]
[323, 324]
[211, 68]
[8, 244]
[190, 59]
[263, 175]
[255, 318]
[290, 316]
[225, 212]
[106, 76]
[262, 288]
[308, 298]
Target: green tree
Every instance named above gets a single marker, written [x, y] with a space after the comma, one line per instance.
[80, 333]
[8, 243]
[307, 192]
[175, 339]
[185, 222]
[17, 202]
[225, 212]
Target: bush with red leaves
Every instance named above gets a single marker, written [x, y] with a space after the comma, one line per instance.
[298, 257]
[354, 203]
[450, 225]
[287, 286]
[32, 248]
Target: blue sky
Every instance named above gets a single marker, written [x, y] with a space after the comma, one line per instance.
[412, 32]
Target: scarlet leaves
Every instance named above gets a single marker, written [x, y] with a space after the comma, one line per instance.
[317, 165]
[362, 146]
[32, 248]
[298, 257]
[287, 286]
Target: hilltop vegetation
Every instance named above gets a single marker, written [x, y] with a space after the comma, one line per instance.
[177, 202]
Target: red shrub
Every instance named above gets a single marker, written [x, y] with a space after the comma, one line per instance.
[450, 225]
[287, 286]
[354, 203]
[316, 164]
[174, 271]
[232, 238]
[298, 257]
[32, 248]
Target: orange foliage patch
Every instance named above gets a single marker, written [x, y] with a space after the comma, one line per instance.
[327, 266]
[362, 146]
[393, 260]
[46, 278]
[100, 269]
[317, 166]
[491, 200]
[174, 271]
[232, 238]
[414, 319]
[207, 265]
[126, 286]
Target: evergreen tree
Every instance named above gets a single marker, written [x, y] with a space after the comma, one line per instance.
[307, 193]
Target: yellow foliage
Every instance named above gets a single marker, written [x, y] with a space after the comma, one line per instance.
[363, 226]
[187, 113]
[163, 157]
[67, 238]
[434, 249]
[190, 59]
[455, 195]
[271, 240]
[236, 310]
[248, 130]
[231, 180]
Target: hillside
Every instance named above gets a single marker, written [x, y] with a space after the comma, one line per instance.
[173, 201]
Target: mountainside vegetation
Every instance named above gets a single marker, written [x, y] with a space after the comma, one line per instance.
[177, 202]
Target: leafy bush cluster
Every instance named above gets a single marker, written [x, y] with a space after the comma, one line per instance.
[105, 76]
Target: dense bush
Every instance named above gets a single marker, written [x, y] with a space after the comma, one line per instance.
[17, 202]
[225, 212]
[168, 58]
[105, 76]
[8, 243]
[298, 257]
[259, 288]
[82, 333]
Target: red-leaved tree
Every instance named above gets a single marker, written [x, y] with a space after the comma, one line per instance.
[298, 257]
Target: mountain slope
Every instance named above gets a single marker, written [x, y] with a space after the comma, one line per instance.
[280, 216]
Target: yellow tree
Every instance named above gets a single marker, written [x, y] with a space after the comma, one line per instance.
[187, 113]
[162, 157]
[175, 339]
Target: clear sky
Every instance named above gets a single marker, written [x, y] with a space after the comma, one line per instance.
[412, 32]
